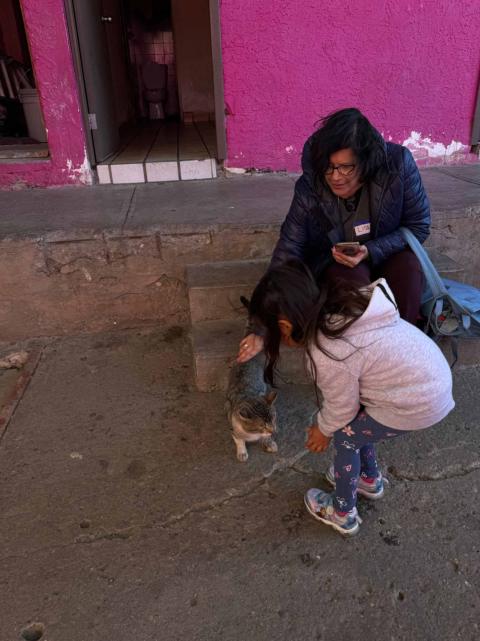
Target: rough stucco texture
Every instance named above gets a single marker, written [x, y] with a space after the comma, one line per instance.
[52, 62]
[410, 66]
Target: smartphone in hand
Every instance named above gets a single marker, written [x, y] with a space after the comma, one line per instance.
[349, 249]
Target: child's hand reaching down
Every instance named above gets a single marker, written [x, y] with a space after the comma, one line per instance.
[316, 441]
[250, 346]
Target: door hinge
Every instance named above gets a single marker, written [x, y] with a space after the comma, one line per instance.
[92, 121]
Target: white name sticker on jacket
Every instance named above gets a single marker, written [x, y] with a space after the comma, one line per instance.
[361, 229]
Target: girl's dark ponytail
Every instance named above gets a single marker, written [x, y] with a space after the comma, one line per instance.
[291, 292]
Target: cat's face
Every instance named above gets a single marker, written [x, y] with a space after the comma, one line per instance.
[258, 415]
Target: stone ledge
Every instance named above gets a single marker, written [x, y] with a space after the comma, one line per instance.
[90, 259]
[258, 201]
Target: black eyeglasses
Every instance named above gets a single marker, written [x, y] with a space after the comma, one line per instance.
[343, 170]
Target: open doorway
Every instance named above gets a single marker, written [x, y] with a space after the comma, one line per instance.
[22, 132]
[147, 71]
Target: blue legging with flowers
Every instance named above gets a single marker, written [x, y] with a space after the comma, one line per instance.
[355, 456]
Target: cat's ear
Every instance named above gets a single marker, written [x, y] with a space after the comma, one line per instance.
[245, 302]
[271, 397]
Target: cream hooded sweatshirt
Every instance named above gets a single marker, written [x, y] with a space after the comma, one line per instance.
[390, 367]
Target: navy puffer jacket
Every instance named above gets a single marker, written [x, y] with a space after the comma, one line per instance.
[397, 198]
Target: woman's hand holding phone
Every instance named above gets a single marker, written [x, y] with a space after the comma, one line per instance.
[349, 260]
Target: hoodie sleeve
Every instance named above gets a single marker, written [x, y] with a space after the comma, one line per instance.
[341, 397]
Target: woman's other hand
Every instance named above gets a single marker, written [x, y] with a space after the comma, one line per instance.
[350, 261]
[250, 346]
[316, 441]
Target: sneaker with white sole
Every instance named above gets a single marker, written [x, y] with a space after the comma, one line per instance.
[372, 490]
[320, 505]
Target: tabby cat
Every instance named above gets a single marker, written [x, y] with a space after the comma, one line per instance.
[250, 408]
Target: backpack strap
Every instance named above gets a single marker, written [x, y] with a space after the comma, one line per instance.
[431, 275]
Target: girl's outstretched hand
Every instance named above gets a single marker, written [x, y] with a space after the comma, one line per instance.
[250, 346]
[316, 441]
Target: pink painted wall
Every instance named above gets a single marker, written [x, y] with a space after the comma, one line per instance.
[52, 62]
[410, 65]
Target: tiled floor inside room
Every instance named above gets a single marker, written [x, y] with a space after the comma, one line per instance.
[160, 151]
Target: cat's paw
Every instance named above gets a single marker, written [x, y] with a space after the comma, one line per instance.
[269, 445]
[242, 457]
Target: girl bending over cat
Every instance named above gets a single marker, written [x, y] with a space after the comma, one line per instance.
[380, 377]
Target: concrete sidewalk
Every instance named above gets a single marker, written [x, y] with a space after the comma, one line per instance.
[76, 213]
[126, 517]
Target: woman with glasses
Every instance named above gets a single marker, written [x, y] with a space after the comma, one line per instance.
[355, 188]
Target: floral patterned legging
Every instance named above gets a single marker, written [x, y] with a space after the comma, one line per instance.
[355, 456]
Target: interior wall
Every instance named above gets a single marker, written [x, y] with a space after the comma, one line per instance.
[117, 53]
[12, 34]
[151, 40]
[193, 52]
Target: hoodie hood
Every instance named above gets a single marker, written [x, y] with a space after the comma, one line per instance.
[382, 310]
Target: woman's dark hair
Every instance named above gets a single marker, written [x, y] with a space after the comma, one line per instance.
[348, 128]
[290, 291]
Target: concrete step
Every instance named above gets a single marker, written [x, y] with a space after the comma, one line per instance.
[218, 319]
[114, 256]
[214, 289]
[215, 346]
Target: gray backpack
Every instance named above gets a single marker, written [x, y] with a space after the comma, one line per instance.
[451, 309]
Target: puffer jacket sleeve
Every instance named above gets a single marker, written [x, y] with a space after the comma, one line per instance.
[293, 233]
[415, 214]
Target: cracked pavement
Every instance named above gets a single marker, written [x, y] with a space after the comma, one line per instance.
[126, 516]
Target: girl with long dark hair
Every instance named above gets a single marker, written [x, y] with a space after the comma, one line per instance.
[380, 377]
